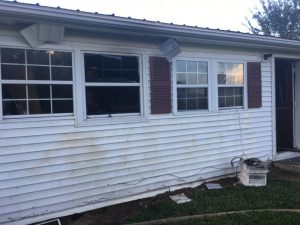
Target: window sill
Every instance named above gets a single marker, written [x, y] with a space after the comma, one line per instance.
[191, 112]
[208, 112]
[98, 121]
[18, 119]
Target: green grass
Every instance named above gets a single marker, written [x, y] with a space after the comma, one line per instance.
[277, 194]
[265, 218]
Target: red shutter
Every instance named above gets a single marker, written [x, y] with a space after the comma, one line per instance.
[160, 80]
[254, 84]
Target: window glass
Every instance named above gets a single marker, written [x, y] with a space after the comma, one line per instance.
[192, 78]
[192, 85]
[180, 66]
[39, 107]
[239, 74]
[103, 96]
[13, 72]
[230, 73]
[111, 69]
[62, 91]
[38, 91]
[12, 55]
[181, 78]
[112, 100]
[230, 97]
[61, 58]
[62, 106]
[37, 57]
[192, 98]
[38, 73]
[14, 91]
[202, 79]
[31, 85]
[192, 67]
[14, 107]
[202, 67]
[62, 73]
[231, 85]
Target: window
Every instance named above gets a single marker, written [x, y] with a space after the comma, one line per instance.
[112, 85]
[192, 85]
[35, 82]
[230, 85]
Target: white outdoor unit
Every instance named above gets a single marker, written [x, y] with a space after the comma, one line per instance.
[253, 172]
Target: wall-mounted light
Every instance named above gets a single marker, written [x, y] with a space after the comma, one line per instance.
[267, 56]
[50, 52]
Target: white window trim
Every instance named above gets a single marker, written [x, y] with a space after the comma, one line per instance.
[83, 119]
[37, 117]
[215, 86]
[175, 85]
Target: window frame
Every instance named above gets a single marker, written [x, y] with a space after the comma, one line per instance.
[46, 82]
[217, 85]
[175, 85]
[141, 85]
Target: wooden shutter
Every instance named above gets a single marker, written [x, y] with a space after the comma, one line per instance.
[254, 84]
[160, 80]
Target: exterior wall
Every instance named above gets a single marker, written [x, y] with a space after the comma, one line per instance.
[54, 166]
[297, 105]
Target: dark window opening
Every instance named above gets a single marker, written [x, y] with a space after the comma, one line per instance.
[103, 96]
[111, 69]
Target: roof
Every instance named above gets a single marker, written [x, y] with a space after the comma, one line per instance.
[77, 19]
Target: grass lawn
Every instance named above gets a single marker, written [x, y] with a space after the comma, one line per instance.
[265, 218]
[281, 192]
[277, 194]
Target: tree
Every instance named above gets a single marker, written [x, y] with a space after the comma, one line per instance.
[280, 18]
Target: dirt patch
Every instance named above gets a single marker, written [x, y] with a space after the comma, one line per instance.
[116, 214]
[291, 165]
[277, 173]
[119, 214]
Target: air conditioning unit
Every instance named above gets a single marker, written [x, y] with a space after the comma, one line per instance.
[253, 172]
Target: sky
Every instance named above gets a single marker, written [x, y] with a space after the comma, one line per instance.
[222, 14]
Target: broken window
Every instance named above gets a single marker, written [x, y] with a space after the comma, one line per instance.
[112, 84]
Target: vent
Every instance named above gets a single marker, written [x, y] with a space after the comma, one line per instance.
[170, 49]
[38, 34]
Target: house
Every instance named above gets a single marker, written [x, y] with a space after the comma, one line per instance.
[97, 109]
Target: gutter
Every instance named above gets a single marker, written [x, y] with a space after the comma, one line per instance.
[84, 20]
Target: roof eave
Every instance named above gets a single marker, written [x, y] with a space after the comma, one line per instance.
[90, 21]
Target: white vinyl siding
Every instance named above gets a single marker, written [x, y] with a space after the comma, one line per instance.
[53, 167]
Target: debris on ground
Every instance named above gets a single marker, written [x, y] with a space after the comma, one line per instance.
[180, 198]
[213, 186]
